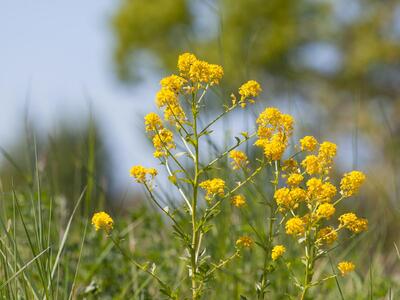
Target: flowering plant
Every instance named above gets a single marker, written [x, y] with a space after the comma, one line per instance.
[302, 203]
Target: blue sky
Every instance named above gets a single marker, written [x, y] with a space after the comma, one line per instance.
[60, 53]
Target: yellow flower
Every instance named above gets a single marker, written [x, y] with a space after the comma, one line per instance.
[287, 122]
[248, 90]
[163, 140]
[351, 183]
[238, 201]
[102, 221]
[244, 241]
[284, 199]
[294, 179]
[166, 97]
[325, 210]
[270, 116]
[327, 150]
[328, 191]
[239, 159]
[353, 223]
[346, 267]
[314, 188]
[173, 83]
[185, 61]
[152, 122]
[308, 143]
[295, 226]
[140, 173]
[175, 114]
[298, 194]
[277, 252]
[203, 72]
[328, 235]
[213, 187]
[311, 165]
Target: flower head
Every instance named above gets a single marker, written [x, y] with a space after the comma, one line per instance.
[311, 164]
[353, 223]
[238, 200]
[249, 90]
[351, 183]
[327, 235]
[284, 199]
[163, 141]
[325, 210]
[213, 187]
[346, 267]
[185, 61]
[141, 174]
[294, 179]
[102, 221]
[239, 159]
[277, 251]
[244, 241]
[308, 143]
[152, 122]
[295, 226]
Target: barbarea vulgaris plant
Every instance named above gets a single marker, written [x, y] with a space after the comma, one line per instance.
[303, 200]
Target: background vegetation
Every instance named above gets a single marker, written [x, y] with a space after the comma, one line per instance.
[333, 64]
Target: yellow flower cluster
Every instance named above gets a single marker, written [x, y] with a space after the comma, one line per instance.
[294, 179]
[141, 174]
[248, 91]
[274, 131]
[295, 226]
[199, 72]
[277, 251]
[327, 235]
[308, 143]
[244, 241]
[213, 187]
[321, 163]
[325, 210]
[353, 223]
[351, 183]
[346, 267]
[285, 199]
[163, 138]
[239, 159]
[102, 221]
[238, 201]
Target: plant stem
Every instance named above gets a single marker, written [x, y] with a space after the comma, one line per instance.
[194, 248]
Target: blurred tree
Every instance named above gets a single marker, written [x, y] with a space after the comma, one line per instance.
[342, 45]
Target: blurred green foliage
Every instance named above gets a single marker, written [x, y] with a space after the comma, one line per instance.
[281, 39]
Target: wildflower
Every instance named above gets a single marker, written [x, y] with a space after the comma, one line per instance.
[239, 159]
[327, 235]
[163, 141]
[238, 200]
[213, 187]
[290, 165]
[173, 83]
[277, 251]
[102, 221]
[287, 122]
[244, 241]
[298, 194]
[314, 188]
[353, 223]
[140, 173]
[346, 267]
[152, 122]
[294, 179]
[203, 72]
[175, 114]
[185, 61]
[270, 116]
[328, 191]
[248, 90]
[274, 148]
[327, 150]
[325, 210]
[308, 143]
[311, 165]
[295, 226]
[166, 97]
[284, 199]
[351, 183]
